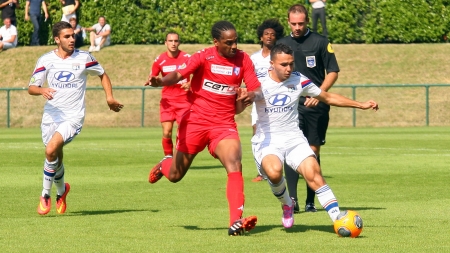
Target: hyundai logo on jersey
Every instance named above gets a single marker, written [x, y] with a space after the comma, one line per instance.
[64, 76]
[279, 100]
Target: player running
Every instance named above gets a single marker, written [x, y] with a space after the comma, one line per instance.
[65, 70]
[279, 138]
[174, 101]
[218, 72]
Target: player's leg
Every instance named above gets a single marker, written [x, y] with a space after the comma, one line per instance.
[310, 170]
[226, 146]
[259, 177]
[166, 141]
[273, 168]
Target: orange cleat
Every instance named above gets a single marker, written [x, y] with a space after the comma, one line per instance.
[61, 200]
[156, 174]
[45, 203]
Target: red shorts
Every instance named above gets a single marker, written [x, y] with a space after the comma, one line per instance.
[194, 134]
[171, 109]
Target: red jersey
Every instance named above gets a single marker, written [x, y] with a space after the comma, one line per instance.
[215, 81]
[164, 64]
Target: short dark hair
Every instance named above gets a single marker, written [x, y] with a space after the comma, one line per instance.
[59, 26]
[298, 8]
[219, 27]
[272, 23]
[169, 33]
[279, 49]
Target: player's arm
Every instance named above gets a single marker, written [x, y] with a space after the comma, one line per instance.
[240, 104]
[341, 101]
[112, 103]
[170, 79]
[47, 93]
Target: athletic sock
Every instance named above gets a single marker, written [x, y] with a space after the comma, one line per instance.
[167, 146]
[165, 166]
[328, 201]
[235, 195]
[49, 175]
[59, 180]
[291, 180]
[280, 192]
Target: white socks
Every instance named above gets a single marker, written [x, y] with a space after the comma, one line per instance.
[328, 201]
[280, 191]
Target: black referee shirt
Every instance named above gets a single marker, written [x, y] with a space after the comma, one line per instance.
[313, 55]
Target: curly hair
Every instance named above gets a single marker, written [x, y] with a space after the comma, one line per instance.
[272, 23]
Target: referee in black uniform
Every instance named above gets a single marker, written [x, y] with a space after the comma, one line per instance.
[313, 56]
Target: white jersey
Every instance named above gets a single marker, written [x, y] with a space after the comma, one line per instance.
[261, 65]
[277, 112]
[68, 77]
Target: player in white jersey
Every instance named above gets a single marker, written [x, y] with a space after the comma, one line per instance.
[268, 33]
[65, 70]
[279, 138]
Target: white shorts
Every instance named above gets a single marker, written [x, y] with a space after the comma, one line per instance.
[67, 130]
[293, 148]
[99, 39]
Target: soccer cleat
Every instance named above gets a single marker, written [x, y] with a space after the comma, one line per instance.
[45, 203]
[258, 178]
[288, 215]
[61, 200]
[310, 207]
[156, 174]
[240, 226]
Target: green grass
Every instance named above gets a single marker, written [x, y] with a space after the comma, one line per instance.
[396, 178]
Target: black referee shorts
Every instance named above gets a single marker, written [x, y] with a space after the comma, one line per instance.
[314, 122]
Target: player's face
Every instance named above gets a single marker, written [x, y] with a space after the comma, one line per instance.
[172, 43]
[298, 24]
[227, 44]
[282, 66]
[66, 40]
[268, 38]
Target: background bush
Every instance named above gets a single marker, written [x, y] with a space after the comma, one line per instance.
[349, 21]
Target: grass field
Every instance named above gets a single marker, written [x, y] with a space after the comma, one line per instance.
[396, 178]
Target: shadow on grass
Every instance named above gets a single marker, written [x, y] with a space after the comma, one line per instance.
[261, 229]
[102, 212]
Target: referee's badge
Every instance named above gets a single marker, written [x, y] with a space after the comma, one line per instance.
[310, 61]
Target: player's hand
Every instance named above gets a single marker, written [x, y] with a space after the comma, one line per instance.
[186, 86]
[246, 96]
[311, 102]
[47, 93]
[370, 105]
[155, 81]
[114, 105]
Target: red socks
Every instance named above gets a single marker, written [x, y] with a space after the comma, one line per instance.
[167, 146]
[235, 195]
[165, 166]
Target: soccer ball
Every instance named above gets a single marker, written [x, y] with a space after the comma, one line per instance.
[348, 224]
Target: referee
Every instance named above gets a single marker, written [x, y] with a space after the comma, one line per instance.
[313, 56]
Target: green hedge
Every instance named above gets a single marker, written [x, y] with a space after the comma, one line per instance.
[349, 21]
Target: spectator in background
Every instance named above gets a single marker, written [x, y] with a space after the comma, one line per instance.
[8, 35]
[33, 12]
[99, 35]
[69, 9]
[79, 38]
[8, 8]
[318, 12]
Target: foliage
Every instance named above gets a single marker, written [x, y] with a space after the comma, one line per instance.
[349, 21]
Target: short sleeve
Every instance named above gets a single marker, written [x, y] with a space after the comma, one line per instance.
[93, 67]
[39, 74]
[192, 64]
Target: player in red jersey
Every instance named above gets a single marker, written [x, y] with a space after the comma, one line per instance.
[174, 99]
[218, 72]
